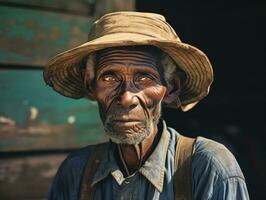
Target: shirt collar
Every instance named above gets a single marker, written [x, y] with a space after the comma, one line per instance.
[107, 164]
[153, 168]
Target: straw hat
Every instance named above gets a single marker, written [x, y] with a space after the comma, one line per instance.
[64, 73]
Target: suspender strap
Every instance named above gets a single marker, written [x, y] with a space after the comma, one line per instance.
[86, 190]
[183, 172]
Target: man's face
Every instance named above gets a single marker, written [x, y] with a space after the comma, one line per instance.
[129, 91]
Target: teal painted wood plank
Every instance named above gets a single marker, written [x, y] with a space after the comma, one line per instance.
[77, 6]
[33, 116]
[32, 37]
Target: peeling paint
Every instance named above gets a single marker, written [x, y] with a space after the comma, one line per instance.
[4, 121]
[43, 119]
[33, 113]
[71, 119]
[33, 37]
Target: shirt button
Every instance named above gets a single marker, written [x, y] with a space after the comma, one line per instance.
[119, 177]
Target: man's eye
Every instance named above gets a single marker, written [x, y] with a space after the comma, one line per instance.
[144, 78]
[109, 77]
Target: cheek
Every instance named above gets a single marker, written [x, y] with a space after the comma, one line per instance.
[104, 97]
[154, 95]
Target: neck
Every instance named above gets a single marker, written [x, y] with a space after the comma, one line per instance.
[134, 155]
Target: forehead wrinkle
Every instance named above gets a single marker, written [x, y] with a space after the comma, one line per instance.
[141, 54]
[134, 56]
[127, 67]
[131, 57]
[126, 61]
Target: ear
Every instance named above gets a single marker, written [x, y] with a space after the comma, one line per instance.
[88, 88]
[171, 98]
[88, 74]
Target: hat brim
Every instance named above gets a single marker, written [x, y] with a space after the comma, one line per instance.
[64, 74]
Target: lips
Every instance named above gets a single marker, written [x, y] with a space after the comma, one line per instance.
[125, 122]
[124, 119]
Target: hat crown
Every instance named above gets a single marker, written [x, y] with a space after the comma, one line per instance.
[149, 24]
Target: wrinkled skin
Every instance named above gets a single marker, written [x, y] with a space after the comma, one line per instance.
[129, 91]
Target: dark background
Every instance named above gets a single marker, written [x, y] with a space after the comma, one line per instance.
[232, 34]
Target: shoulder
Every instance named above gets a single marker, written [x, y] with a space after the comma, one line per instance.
[210, 157]
[78, 158]
[216, 173]
[67, 180]
[215, 157]
[72, 167]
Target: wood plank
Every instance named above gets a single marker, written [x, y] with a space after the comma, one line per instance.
[31, 139]
[103, 7]
[28, 177]
[34, 117]
[80, 7]
[31, 37]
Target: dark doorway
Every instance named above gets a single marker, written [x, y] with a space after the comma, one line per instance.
[232, 34]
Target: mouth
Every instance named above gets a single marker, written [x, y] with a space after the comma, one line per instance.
[125, 122]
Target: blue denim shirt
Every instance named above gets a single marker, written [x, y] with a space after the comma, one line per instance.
[215, 173]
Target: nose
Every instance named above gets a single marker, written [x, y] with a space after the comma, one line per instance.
[128, 97]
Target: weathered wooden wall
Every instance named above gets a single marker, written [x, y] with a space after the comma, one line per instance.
[34, 117]
[38, 127]
[28, 177]
[31, 37]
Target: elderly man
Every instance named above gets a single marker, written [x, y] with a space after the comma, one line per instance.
[133, 64]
